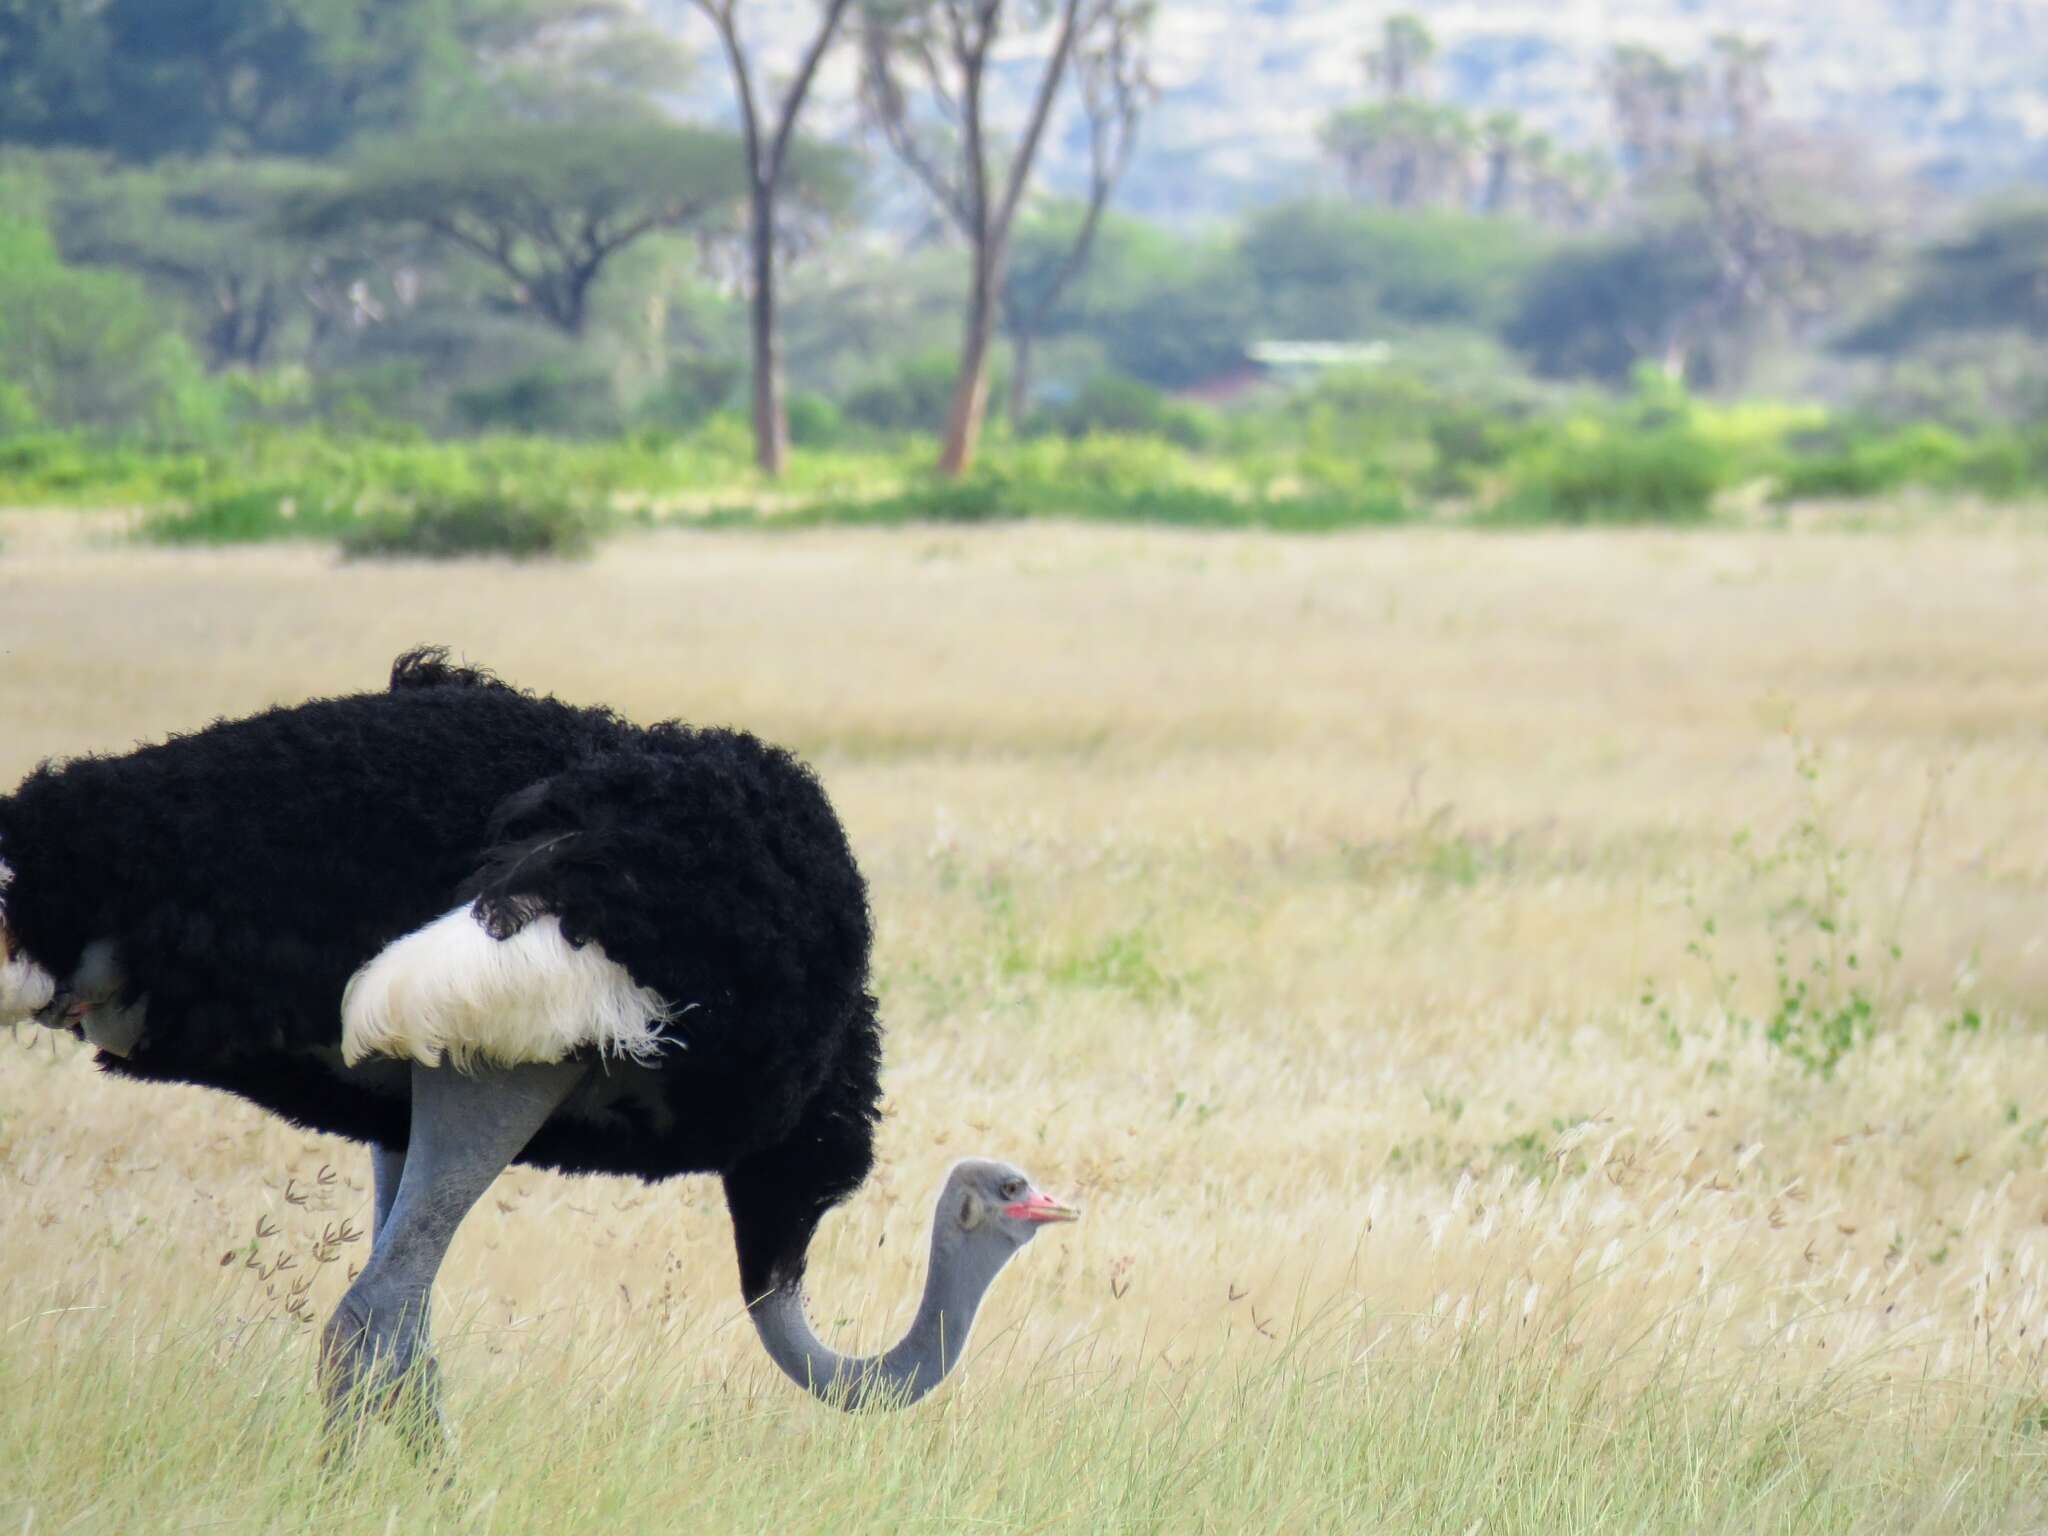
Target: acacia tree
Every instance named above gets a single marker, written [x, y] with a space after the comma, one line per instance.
[205, 232]
[1116, 87]
[1741, 230]
[925, 86]
[1656, 106]
[1781, 221]
[767, 137]
[1988, 279]
[546, 205]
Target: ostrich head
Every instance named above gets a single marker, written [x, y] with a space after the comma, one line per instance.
[987, 1211]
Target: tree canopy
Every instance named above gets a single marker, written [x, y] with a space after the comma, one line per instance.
[145, 79]
[1339, 273]
[545, 205]
[78, 345]
[1992, 277]
[148, 78]
[205, 232]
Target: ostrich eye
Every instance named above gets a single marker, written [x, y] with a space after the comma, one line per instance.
[1013, 1189]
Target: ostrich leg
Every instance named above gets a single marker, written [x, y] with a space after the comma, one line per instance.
[386, 1167]
[466, 1127]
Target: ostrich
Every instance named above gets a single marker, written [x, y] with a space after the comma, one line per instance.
[471, 926]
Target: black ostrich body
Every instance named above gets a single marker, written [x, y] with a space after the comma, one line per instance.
[655, 937]
[285, 850]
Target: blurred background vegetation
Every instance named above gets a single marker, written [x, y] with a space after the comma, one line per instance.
[435, 273]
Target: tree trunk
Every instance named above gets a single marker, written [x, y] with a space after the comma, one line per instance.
[1020, 378]
[1402, 182]
[771, 416]
[970, 390]
[565, 301]
[1499, 170]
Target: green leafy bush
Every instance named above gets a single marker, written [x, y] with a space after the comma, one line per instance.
[1110, 402]
[1866, 463]
[525, 526]
[693, 389]
[913, 395]
[571, 402]
[255, 514]
[84, 346]
[1860, 460]
[1645, 463]
[814, 421]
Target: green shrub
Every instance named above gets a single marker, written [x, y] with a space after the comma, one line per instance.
[2003, 466]
[522, 525]
[1469, 444]
[1860, 461]
[914, 395]
[1110, 402]
[44, 461]
[550, 399]
[693, 389]
[254, 514]
[85, 346]
[1632, 468]
[814, 421]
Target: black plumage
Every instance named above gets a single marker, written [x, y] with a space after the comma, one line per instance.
[244, 872]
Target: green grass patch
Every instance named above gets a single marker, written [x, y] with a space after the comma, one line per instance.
[995, 500]
[253, 515]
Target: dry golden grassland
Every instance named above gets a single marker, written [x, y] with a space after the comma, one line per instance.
[1382, 937]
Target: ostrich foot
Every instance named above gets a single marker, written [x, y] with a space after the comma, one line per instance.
[373, 1361]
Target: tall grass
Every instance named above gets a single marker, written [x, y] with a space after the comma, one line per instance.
[145, 1422]
[1390, 942]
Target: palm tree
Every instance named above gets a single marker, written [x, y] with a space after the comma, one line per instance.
[1403, 154]
[1743, 82]
[1654, 103]
[1507, 143]
[1406, 47]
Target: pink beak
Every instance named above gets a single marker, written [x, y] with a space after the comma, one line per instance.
[1038, 1206]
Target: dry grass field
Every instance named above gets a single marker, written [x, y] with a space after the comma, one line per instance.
[1548, 1031]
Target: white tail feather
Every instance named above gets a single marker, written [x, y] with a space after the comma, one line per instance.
[25, 987]
[451, 990]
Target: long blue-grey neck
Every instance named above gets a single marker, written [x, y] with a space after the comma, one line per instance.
[959, 1276]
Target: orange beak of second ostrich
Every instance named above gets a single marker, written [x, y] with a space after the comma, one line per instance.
[1039, 1206]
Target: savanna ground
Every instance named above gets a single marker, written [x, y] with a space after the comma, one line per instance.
[1547, 1030]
